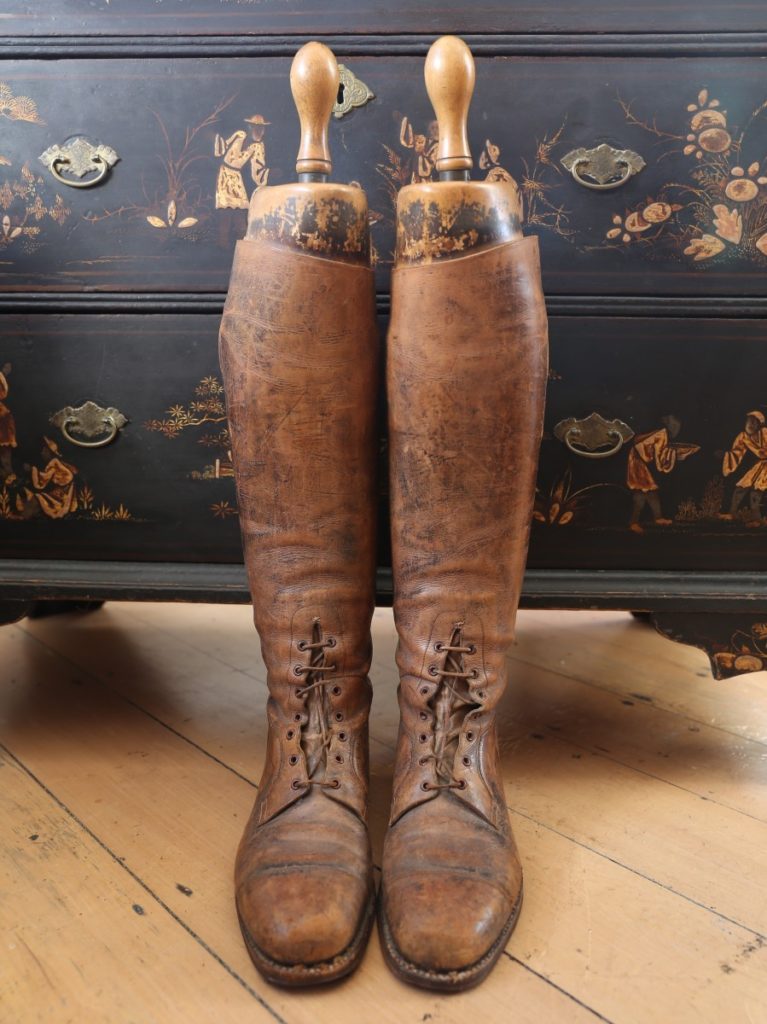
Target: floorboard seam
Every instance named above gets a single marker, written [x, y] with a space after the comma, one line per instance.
[553, 984]
[115, 692]
[556, 735]
[625, 694]
[140, 881]
[641, 874]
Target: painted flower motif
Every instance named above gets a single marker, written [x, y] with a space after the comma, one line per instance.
[639, 221]
[704, 248]
[10, 231]
[728, 224]
[708, 128]
[742, 187]
[158, 222]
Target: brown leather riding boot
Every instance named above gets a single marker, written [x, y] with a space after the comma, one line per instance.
[298, 350]
[467, 367]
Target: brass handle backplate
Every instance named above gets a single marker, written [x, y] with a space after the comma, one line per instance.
[90, 421]
[78, 157]
[593, 437]
[603, 167]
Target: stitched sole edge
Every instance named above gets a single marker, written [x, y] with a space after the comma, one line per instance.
[321, 973]
[457, 980]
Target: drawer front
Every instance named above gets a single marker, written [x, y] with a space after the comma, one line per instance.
[195, 137]
[163, 488]
[184, 17]
[650, 458]
[643, 418]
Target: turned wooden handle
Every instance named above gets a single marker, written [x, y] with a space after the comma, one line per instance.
[314, 84]
[449, 74]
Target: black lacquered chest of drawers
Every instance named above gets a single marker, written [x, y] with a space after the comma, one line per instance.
[131, 141]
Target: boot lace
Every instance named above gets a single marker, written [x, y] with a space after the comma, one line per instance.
[450, 705]
[316, 735]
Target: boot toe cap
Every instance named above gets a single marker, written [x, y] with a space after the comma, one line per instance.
[441, 923]
[305, 917]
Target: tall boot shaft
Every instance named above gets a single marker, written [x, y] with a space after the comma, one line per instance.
[299, 357]
[466, 376]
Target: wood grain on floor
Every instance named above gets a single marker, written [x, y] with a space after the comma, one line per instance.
[131, 741]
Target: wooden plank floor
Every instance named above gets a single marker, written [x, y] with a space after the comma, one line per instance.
[131, 742]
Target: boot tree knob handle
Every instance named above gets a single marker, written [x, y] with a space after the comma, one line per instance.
[449, 74]
[314, 84]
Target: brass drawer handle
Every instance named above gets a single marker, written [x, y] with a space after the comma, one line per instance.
[79, 156]
[592, 435]
[605, 166]
[90, 420]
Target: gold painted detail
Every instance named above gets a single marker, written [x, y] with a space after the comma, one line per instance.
[48, 486]
[593, 437]
[351, 92]
[206, 408]
[603, 167]
[25, 204]
[17, 108]
[727, 214]
[79, 157]
[89, 421]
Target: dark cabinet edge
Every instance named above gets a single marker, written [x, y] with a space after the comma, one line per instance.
[24, 580]
[608, 44]
[708, 306]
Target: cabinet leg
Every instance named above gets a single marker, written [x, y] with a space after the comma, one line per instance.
[735, 643]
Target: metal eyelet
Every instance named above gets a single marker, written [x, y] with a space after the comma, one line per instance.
[342, 736]
[293, 759]
[474, 674]
[469, 737]
[422, 761]
[462, 784]
[290, 733]
[422, 715]
[298, 718]
[425, 691]
[433, 670]
[466, 761]
[336, 691]
[472, 648]
[295, 784]
[439, 647]
[301, 645]
[481, 694]
[331, 641]
[339, 716]
[339, 759]
[298, 670]
[423, 737]
[336, 784]
[425, 787]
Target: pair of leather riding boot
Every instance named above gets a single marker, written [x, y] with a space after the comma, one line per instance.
[466, 368]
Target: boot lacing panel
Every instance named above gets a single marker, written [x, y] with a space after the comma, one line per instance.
[316, 734]
[450, 704]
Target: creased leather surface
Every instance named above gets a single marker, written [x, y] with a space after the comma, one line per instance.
[298, 353]
[466, 376]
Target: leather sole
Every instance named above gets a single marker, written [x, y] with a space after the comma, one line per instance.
[320, 973]
[455, 980]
